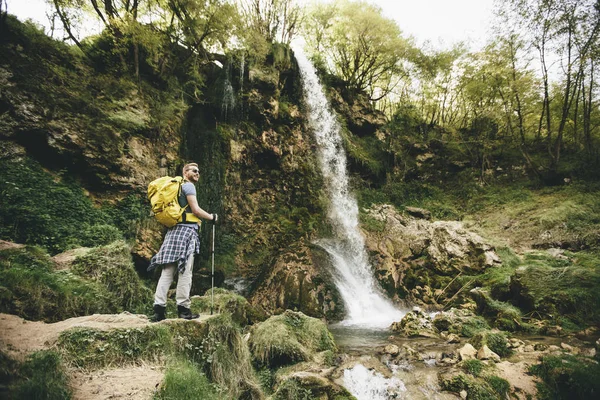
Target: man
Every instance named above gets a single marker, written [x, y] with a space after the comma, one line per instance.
[180, 246]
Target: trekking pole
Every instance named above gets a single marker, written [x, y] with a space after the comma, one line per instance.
[212, 294]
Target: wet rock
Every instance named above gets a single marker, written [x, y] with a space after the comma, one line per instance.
[391, 349]
[569, 348]
[415, 324]
[467, 352]
[298, 281]
[540, 347]
[486, 354]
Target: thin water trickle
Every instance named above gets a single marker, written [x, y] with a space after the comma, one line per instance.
[365, 304]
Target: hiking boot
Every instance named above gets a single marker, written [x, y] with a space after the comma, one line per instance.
[186, 313]
[159, 313]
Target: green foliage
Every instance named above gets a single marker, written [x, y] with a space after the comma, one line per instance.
[567, 377]
[95, 349]
[473, 326]
[31, 289]
[290, 389]
[473, 367]
[499, 385]
[183, 380]
[39, 210]
[364, 46]
[100, 235]
[112, 267]
[42, 376]
[496, 341]
[288, 338]
[225, 301]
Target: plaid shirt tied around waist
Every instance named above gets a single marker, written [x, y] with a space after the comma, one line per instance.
[180, 242]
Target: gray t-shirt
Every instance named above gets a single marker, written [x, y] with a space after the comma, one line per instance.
[186, 189]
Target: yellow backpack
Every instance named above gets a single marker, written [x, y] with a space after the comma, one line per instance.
[163, 194]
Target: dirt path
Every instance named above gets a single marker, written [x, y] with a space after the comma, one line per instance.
[19, 337]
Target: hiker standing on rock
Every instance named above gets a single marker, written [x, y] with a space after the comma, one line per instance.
[179, 247]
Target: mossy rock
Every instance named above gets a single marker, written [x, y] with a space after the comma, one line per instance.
[496, 341]
[461, 322]
[289, 338]
[306, 385]
[477, 388]
[215, 345]
[32, 289]
[225, 301]
[112, 266]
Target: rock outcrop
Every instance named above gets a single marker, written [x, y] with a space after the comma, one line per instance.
[416, 259]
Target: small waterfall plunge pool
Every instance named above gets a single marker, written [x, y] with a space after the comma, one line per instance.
[369, 375]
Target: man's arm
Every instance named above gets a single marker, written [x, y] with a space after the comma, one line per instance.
[195, 208]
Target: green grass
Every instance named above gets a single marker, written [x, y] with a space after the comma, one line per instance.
[567, 377]
[184, 380]
[112, 267]
[42, 376]
[31, 289]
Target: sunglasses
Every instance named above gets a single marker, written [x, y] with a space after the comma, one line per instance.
[195, 171]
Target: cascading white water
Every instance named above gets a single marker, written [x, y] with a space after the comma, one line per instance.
[364, 302]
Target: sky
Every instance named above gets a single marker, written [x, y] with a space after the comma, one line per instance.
[439, 22]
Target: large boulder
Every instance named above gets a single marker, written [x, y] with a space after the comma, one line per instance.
[299, 281]
[416, 259]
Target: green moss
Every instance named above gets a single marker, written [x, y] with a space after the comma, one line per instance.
[473, 367]
[225, 301]
[288, 338]
[113, 267]
[560, 288]
[499, 385]
[567, 377]
[30, 288]
[42, 376]
[91, 348]
[184, 380]
[496, 341]
[473, 326]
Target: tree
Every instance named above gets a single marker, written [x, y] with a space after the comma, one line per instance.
[359, 44]
[275, 20]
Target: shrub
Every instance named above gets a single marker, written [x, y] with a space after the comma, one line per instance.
[567, 377]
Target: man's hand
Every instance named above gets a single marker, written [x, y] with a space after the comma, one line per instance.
[214, 219]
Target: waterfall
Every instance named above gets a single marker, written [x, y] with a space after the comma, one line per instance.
[365, 304]
[228, 103]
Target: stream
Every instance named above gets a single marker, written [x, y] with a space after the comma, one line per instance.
[370, 375]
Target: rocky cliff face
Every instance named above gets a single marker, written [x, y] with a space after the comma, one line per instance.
[113, 135]
[417, 259]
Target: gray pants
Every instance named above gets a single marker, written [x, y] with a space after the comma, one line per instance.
[184, 284]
